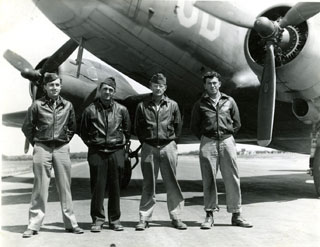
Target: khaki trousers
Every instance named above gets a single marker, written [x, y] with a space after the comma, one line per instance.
[44, 158]
[165, 159]
[221, 154]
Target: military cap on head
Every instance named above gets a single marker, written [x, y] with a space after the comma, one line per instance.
[211, 74]
[110, 81]
[159, 78]
[49, 77]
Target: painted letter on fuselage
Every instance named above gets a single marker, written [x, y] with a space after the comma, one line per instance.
[210, 34]
[185, 7]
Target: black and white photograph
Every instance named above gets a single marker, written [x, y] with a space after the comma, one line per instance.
[160, 123]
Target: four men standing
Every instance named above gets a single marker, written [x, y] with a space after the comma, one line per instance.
[105, 129]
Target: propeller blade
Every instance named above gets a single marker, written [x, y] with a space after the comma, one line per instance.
[267, 96]
[26, 146]
[59, 56]
[34, 92]
[227, 12]
[300, 13]
[31, 75]
[34, 95]
[17, 61]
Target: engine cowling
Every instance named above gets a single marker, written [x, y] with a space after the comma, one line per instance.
[297, 57]
[306, 111]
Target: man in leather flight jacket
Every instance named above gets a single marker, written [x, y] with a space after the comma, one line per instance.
[158, 125]
[49, 126]
[105, 129]
[214, 119]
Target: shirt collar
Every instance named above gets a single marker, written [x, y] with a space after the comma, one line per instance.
[207, 97]
[50, 101]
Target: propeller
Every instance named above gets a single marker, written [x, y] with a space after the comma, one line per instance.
[267, 96]
[27, 72]
[57, 58]
[35, 76]
[271, 32]
[227, 12]
[300, 13]
[17, 61]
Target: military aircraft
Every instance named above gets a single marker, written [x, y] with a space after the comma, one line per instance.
[268, 59]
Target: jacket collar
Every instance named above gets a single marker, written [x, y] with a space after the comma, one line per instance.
[149, 100]
[102, 106]
[205, 96]
[49, 101]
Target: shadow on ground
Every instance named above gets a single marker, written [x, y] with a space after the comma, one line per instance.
[58, 227]
[254, 189]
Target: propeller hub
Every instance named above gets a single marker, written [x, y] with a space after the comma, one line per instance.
[264, 27]
[30, 74]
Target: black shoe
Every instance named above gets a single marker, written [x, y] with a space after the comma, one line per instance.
[76, 230]
[29, 233]
[239, 221]
[142, 225]
[116, 226]
[179, 224]
[208, 222]
[96, 228]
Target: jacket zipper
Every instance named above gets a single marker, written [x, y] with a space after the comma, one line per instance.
[105, 120]
[217, 116]
[54, 121]
[157, 120]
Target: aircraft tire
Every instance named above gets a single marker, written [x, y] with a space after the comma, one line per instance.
[126, 173]
[316, 171]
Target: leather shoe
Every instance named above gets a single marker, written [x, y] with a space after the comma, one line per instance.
[96, 228]
[142, 225]
[116, 226]
[239, 221]
[179, 224]
[208, 222]
[29, 233]
[76, 230]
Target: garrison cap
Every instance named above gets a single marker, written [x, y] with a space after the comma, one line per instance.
[49, 77]
[159, 78]
[110, 81]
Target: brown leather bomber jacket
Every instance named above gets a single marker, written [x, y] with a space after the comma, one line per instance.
[50, 125]
[218, 122]
[158, 128]
[105, 129]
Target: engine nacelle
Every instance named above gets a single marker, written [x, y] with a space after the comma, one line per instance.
[297, 58]
[305, 111]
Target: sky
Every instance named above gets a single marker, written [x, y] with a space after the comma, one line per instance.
[26, 31]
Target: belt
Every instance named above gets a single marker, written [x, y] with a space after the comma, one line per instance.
[215, 137]
[158, 143]
[221, 137]
[53, 144]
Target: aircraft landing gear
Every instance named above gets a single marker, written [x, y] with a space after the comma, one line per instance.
[315, 170]
[315, 161]
[126, 171]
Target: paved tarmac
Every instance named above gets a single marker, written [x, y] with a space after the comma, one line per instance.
[278, 198]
